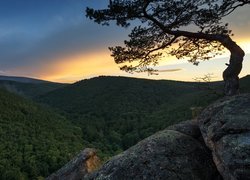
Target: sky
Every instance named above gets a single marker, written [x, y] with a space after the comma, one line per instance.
[53, 40]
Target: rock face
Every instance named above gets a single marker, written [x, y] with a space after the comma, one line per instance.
[84, 163]
[168, 154]
[225, 127]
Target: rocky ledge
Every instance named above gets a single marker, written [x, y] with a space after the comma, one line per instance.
[168, 154]
[85, 163]
[225, 127]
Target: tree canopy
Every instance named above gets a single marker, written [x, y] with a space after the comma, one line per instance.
[34, 141]
[190, 29]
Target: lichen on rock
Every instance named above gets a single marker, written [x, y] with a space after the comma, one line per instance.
[84, 163]
[165, 155]
[225, 127]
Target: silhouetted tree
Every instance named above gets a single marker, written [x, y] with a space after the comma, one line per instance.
[183, 28]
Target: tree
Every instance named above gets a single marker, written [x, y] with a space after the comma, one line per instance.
[162, 32]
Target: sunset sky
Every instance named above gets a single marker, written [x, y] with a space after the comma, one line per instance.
[52, 40]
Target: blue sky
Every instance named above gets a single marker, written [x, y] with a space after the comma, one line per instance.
[52, 39]
[31, 29]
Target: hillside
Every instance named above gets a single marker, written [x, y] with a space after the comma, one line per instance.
[116, 112]
[33, 141]
[28, 87]
[245, 84]
[22, 79]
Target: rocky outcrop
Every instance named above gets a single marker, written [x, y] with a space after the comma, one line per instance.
[84, 163]
[225, 127]
[168, 154]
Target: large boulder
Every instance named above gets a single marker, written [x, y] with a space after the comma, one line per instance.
[225, 127]
[84, 163]
[165, 155]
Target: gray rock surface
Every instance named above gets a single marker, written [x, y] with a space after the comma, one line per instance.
[167, 155]
[225, 127]
[190, 128]
[84, 163]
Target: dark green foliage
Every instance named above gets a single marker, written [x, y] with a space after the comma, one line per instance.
[116, 112]
[33, 141]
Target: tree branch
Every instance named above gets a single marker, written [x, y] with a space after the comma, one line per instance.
[161, 47]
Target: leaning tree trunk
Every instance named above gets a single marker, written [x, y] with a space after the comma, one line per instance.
[230, 75]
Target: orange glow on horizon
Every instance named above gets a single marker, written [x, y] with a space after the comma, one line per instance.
[80, 66]
[86, 65]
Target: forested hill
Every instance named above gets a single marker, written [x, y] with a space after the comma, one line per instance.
[116, 112]
[28, 87]
[34, 141]
[245, 84]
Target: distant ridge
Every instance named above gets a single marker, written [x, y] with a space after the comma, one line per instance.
[23, 79]
[247, 76]
[28, 87]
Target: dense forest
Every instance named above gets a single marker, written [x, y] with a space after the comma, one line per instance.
[34, 141]
[108, 113]
[116, 112]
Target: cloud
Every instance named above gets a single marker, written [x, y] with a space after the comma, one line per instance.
[239, 22]
[54, 35]
[30, 37]
[83, 37]
[170, 70]
[2, 72]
